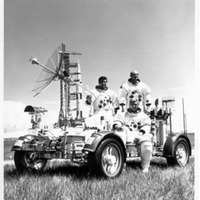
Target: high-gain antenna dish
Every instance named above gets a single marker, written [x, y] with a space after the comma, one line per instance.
[49, 73]
[58, 68]
[53, 71]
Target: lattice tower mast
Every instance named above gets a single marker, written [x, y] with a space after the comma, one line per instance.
[62, 92]
[65, 96]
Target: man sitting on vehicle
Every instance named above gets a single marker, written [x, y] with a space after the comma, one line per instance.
[103, 102]
[134, 126]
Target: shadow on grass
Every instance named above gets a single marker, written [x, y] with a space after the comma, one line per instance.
[159, 163]
[77, 172]
[80, 172]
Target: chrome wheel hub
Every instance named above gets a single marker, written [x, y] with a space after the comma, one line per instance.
[110, 160]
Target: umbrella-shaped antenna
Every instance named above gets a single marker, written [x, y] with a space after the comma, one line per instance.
[57, 68]
[49, 73]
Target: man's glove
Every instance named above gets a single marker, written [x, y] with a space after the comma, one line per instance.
[117, 127]
[88, 100]
[137, 140]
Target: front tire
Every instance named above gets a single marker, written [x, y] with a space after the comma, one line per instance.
[26, 161]
[181, 153]
[108, 159]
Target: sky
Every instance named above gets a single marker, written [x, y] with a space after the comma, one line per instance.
[157, 38]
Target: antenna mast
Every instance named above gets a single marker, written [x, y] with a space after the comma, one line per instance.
[65, 96]
[184, 118]
[58, 68]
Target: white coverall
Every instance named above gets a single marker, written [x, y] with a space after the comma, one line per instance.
[103, 104]
[127, 87]
[136, 127]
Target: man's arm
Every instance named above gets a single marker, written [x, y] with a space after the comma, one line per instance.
[123, 92]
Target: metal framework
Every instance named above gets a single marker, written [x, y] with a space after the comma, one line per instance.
[59, 67]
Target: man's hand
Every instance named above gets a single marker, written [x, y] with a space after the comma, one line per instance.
[88, 100]
[117, 127]
[137, 140]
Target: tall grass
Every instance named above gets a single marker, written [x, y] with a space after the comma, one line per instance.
[64, 182]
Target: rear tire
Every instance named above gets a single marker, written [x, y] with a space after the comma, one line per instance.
[181, 153]
[107, 160]
[26, 161]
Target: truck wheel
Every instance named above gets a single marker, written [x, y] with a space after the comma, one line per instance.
[26, 161]
[108, 159]
[180, 153]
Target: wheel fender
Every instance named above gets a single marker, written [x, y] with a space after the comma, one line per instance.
[168, 149]
[96, 139]
[17, 146]
[19, 143]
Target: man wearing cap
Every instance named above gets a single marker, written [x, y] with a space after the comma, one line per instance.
[134, 83]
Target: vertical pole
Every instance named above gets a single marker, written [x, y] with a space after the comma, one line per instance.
[61, 119]
[170, 118]
[79, 93]
[184, 118]
[67, 88]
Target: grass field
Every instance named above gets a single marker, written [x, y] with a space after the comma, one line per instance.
[60, 181]
[63, 182]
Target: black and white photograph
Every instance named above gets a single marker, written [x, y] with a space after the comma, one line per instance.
[100, 100]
